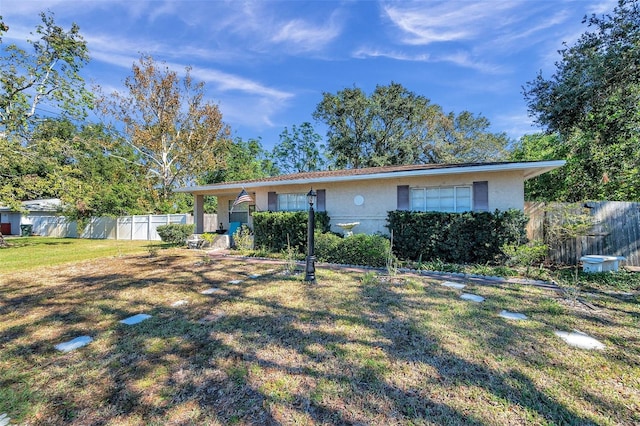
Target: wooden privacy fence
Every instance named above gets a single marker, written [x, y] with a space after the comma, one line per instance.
[615, 230]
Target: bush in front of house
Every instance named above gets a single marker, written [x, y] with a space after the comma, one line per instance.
[276, 231]
[175, 233]
[471, 237]
[358, 249]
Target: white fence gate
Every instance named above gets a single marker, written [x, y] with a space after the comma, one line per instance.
[122, 228]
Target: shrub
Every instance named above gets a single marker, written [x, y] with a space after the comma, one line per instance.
[276, 231]
[359, 249]
[243, 238]
[175, 233]
[471, 237]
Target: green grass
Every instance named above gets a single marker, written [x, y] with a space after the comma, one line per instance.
[354, 348]
[32, 252]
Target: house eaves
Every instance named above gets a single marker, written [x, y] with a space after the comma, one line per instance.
[529, 169]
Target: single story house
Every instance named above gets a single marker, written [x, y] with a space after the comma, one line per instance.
[11, 220]
[366, 195]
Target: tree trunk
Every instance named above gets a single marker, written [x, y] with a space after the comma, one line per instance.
[3, 243]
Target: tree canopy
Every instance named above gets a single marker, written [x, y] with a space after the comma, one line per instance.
[299, 150]
[48, 75]
[176, 134]
[592, 102]
[395, 126]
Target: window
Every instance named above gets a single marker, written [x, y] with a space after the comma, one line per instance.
[292, 202]
[239, 212]
[441, 199]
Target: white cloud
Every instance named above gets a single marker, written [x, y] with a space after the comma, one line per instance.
[423, 23]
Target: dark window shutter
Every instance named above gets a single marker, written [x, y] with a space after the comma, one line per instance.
[481, 196]
[403, 197]
[321, 200]
[272, 202]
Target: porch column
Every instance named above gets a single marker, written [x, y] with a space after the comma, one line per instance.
[198, 213]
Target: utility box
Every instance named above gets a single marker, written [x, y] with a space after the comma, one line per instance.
[599, 263]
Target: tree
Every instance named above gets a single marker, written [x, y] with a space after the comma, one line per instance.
[69, 163]
[50, 73]
[241, 160]
[176, 133]
[299, 150]
[593, 102]
[394, 126]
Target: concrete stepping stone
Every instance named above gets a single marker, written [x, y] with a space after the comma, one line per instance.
[254, 276]
[4, 419]
[451, 284]
[215, 316]
[135, 319]
[580, 340]
[235, 282]
[471, 297]
[179, 303]
[512, 315]
[72, 344]
[210, 290]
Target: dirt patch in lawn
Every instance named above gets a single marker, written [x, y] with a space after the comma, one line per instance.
[272, 349]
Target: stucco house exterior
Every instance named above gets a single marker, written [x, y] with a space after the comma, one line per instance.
[366, 195]
[11, 220]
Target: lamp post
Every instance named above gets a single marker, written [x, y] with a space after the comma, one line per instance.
[310, 274]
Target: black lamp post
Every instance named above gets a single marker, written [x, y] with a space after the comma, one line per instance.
[310, 274]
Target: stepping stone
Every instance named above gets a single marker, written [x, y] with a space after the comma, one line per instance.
[235, 282]
[76, 343]
[451, 284]
[4, 419]
[135, 319]
[254, 276]
[579, 340]
[210, 291]
[179, 303]
[212, 317]
[472, 297]
[512, 315]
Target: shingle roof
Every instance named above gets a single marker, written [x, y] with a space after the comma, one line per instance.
[360, 171]
[530, 169]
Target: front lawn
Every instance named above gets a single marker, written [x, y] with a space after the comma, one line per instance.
[31, 252]
[355, 348]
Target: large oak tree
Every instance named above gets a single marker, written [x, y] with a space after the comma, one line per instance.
[394, 126]
[592, 103]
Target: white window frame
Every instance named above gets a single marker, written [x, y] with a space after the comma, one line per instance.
[433, 198]
[292, 202]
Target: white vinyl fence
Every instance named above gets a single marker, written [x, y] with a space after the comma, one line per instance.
[121, 228]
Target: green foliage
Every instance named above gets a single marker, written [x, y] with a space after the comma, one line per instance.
[394, 126]
[358, 249]
[525, 254]
[299, 150]
[241, 160]
[591, 101]
[243, 238]
[275, 231]
[175, 233]
[50, 73]
[471, 237]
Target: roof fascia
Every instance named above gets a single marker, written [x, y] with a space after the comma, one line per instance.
[531, 170]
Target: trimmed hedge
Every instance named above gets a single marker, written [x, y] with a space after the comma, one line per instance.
[471, 237]
[358, 249]
[271, 229]
[175, 233]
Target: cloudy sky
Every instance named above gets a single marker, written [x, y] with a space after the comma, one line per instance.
[267, 63]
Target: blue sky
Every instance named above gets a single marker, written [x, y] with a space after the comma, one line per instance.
[267, 63]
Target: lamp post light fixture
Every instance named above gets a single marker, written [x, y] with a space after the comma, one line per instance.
[310, 272]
